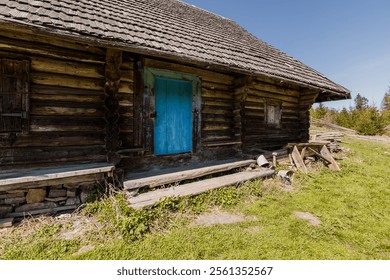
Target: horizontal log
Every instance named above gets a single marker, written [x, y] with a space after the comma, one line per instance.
[127, 75]
[37, 48]
[272, 88]
[222, 144]
[57, 90]
[126, 87]
[58, 140]
[273, 96]
[215, 86]
[53, 41]
[65, 111]
[210, 127]
[33, 156]
[66, 81]
[206, 93]
[217, 102]
[72, 98]
[206, 75]
[79, 69]
[228, 112]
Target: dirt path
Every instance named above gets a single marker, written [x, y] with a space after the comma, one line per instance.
[371, 138]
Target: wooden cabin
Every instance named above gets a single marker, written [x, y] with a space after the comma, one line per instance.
[103, 85]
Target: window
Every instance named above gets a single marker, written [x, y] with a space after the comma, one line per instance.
[273, 113]
[14, 90]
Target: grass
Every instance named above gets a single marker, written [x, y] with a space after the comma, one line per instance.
[353, 206]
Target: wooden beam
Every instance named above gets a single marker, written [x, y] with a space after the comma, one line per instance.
[159, 180]
[195, 188]
[51, 176]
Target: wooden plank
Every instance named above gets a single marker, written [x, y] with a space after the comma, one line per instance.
[159, 180]
[326, 153]
[320, 156]
[7, 222]
[48, 175]
[52, 210]
[195, 188]
[296, 156]
[303, 152]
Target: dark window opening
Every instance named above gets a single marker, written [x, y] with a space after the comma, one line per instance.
[14, 95]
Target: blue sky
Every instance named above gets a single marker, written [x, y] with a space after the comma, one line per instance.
[346, 40]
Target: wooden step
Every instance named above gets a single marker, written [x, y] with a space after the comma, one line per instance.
[150, 198]
[169, 178]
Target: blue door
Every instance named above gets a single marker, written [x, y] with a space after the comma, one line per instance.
[173, 120]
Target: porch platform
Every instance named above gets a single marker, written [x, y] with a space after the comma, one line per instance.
[166, 176]
[24, 179]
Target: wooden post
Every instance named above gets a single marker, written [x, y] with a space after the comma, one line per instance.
[111, 87]
[139, 92]
[241, 86]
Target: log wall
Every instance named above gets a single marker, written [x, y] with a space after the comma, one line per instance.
[66, 102]
[68, 106]
[256, 133]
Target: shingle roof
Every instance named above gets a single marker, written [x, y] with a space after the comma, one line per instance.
[170, 27]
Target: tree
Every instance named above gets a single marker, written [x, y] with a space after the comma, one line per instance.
[386, 100]
[360, 102]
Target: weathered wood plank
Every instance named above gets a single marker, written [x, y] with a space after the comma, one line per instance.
[78, 69]
[53, 41]
[51, 210]
[319, 155]
[298, 160]
[42, 177]
[206, 75]
[48, 51]
[7, 222]
[326, 153]
[150, 198]
[153, 181]
[61, 80]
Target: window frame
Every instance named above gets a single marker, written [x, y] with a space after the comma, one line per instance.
[277, 123]
[22, 73]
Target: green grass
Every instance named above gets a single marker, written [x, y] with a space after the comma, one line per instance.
[353, 206]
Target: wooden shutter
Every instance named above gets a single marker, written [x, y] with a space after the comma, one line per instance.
[14, 90]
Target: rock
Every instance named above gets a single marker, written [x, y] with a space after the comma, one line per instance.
[85, 195]
[35, 206]
[56, 199]
[87, 186]
[57, 193]
[71, 192]
[35, 195]
[15, 200]
[73, 201]
[5, 209]
[11, 195]
[310, 218]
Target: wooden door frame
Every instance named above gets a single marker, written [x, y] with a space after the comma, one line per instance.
[150, 75]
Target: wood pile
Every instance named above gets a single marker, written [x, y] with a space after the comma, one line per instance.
[303, 154]
[332, 139]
